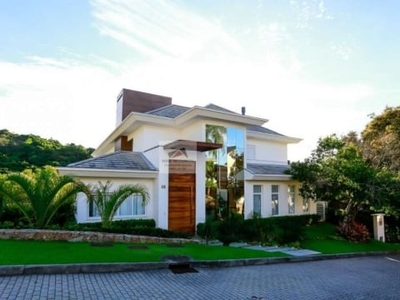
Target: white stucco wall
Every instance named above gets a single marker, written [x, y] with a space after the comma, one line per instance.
[268, 151]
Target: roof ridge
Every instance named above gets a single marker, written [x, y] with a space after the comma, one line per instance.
[164, 107]
[221, 107]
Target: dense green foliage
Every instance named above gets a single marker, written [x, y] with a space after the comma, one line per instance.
[39, 194]
[323, 238]
[381, 140]
[19, 152]
[134, 227]
[272, 231]
[357, 174]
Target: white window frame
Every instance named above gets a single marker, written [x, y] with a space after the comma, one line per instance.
[256, 195]
[275, 200]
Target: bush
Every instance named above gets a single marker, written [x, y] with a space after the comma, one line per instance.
[277, 230]
[133, 227]
[209, 229]
[231, 229]
[354, 232]
[120, 226]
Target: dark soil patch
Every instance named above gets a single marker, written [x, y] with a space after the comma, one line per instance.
[182, 269]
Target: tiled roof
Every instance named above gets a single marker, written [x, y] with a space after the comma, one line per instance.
[170, 111]
[218, 108]
[267, 169]
[119, 160]
[262, 130]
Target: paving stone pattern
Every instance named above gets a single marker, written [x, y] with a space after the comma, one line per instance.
[355, 278]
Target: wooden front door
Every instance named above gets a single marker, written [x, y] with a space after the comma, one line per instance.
[182, 196]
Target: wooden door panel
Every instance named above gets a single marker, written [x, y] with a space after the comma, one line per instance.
[181, 197]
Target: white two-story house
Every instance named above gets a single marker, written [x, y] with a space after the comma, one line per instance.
[193, 161]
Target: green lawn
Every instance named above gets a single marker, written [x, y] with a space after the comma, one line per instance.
[15, 252]
[322, 238]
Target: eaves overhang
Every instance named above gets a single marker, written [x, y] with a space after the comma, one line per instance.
[198, 112]
[270, 177]
[107, 173]
[134, 120]
[272, 137]
[192, 145]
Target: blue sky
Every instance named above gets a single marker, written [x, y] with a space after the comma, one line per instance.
[311, 67]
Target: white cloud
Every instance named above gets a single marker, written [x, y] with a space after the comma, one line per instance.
[188, 57]
[160, 28]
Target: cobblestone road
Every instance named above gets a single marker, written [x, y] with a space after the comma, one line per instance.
[355, 278]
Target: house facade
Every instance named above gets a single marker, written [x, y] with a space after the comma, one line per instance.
[193, 161]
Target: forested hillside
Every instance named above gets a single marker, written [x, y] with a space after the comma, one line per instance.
[18, 152]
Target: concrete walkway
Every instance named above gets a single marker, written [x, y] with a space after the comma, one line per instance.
[287, 250]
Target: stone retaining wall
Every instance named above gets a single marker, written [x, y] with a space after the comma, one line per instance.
[83, 236]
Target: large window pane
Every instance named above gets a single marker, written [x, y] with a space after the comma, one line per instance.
[275, 200]
[257, 200]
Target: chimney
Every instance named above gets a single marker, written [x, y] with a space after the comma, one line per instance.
[243, 110]
[129, 101]
[133, 101]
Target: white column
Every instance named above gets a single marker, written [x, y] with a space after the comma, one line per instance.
[379, 227]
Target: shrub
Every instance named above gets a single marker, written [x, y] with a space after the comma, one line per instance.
[120, 226]
[209, 229]
[230, 230]
[277, 230]
[354, 232]
[134, 227]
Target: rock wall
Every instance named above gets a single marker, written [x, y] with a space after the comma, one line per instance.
[83, 236]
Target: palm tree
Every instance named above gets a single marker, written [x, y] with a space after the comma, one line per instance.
[39, 194]
[108, 202]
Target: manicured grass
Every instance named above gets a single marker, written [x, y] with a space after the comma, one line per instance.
[15, 252]
[322, 238]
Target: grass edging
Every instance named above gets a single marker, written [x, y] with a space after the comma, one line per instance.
[129, 267]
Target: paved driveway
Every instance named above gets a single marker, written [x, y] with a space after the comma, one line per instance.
[355, 278]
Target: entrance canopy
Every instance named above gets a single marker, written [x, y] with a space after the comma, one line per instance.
[192, 145]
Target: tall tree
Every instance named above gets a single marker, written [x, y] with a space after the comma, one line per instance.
[381, 140]
[39, 194]
[336, 173]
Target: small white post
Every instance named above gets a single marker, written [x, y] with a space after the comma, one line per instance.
[379, 227]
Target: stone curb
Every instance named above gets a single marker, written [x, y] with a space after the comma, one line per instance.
[129, 267]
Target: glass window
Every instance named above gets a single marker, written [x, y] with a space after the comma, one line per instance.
[257, 200]
[132, 206]
[291, 199]
[275, 200]
[224, 167]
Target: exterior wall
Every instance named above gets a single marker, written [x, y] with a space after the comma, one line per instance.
[195, 132]
[268, 151]
[148, 137]
[82, 207]
[266, 191]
